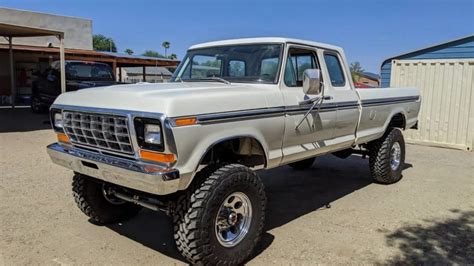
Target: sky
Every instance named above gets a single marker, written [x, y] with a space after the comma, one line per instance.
[370, 31]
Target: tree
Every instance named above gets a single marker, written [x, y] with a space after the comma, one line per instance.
[103, 43]
[128, 51]
[173, 56]
[356, 70]
[213, 63]
[166, 45]
[152, 53]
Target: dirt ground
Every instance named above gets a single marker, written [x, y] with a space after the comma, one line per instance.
[427, 217]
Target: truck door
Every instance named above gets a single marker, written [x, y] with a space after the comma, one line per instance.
[345, 99]
[315, 131]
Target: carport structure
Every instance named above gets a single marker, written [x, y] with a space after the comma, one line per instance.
[10, 31]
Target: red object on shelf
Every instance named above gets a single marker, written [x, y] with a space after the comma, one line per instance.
[362, 85]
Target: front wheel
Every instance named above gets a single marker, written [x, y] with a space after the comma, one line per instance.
[387, 157]
[219, 219]
[93, 200]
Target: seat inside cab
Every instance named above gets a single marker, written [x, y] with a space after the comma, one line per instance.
[298, 61]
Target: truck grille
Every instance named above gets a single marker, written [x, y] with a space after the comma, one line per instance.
[108, 132]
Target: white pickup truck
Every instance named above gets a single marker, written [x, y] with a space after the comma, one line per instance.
[190, 147]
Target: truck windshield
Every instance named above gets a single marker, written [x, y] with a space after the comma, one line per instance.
[234, 63]
[89, 71]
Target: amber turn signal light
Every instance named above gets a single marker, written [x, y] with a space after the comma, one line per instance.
[63, 138]
[185, 121]
[157, 157]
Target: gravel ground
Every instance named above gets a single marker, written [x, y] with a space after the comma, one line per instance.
[427, 217]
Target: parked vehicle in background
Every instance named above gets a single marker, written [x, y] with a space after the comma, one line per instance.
[79, 75]
[190, 147]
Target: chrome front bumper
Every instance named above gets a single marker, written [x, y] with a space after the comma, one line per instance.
[129, 173]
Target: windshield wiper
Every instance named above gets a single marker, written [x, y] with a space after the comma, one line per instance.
[216, 79]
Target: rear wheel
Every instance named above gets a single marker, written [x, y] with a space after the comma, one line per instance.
[93, 200]
[219, 219]
[302, 165]
[387, 157]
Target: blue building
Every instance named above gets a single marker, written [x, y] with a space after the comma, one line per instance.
[444, 74]
[456, 49]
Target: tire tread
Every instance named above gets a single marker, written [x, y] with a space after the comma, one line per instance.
[379, 157]
[191, 240]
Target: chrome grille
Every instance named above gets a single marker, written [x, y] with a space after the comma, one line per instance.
[108, 132]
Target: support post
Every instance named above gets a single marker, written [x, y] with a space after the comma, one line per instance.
[144, 74]
[12, 72]
[62, 63]
[114, 67]
[120, 74]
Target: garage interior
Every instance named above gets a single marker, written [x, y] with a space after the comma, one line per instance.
[10, 31]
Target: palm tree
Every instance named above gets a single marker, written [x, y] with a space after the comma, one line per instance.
[166, 45]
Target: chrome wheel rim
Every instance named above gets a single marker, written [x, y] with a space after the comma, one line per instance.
[395, 155]
[233, 219]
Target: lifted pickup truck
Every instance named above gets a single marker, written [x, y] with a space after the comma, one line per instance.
[190, 147]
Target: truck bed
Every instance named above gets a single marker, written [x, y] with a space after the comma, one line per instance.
[378, 104]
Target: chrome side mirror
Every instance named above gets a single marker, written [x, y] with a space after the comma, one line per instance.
[312, 81]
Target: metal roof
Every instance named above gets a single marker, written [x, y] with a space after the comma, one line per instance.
[98, 56]
[149, 71]
[432, 47]
[138, 56]
[370, 75]
[14, 30]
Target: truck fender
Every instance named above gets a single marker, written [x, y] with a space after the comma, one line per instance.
[193, 165]
[395, 111]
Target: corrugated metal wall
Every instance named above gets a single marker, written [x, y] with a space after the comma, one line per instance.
[447, 110]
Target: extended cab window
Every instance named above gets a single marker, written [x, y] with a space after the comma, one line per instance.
[298, 61]
[335, 70]
[236, 68]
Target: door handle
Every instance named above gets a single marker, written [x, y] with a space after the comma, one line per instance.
[315, 99]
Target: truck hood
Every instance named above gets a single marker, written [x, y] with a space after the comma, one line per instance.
[173, 99]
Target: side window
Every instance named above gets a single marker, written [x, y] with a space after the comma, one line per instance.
[335, 70]
[236, 68]
[298, 61]
[268, 68]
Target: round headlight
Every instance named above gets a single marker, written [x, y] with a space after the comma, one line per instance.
[152, 134]
[58, 120]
